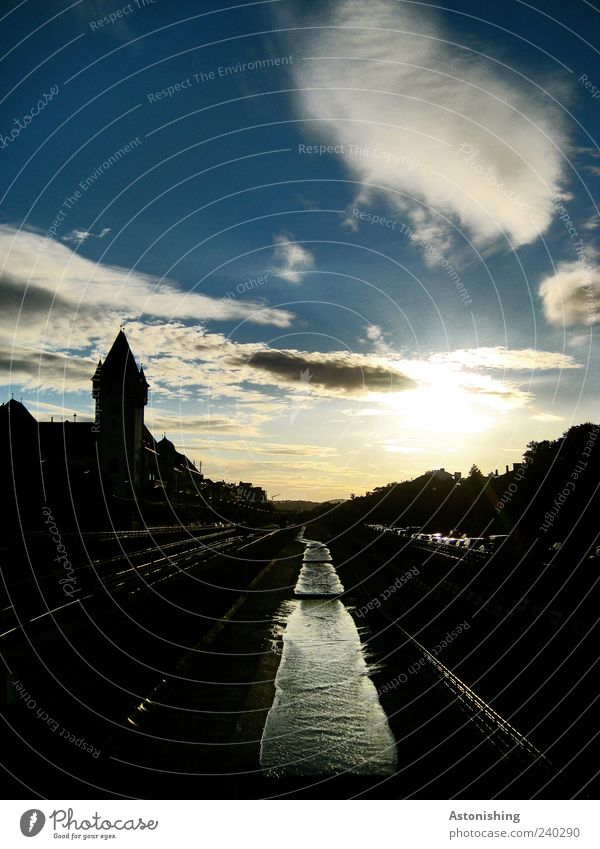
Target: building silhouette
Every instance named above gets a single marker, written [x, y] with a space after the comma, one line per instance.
[109, 470]
[120, 390]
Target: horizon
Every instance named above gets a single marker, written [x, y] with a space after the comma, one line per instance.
[498, 471]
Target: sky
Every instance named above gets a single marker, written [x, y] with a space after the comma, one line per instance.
[349, 242]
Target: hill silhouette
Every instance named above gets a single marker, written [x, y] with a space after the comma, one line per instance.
[551, 496]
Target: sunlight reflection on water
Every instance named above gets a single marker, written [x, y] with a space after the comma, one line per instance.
[326, 717]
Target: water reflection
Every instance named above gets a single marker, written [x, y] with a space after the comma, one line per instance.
[317, 576]
[326, 717]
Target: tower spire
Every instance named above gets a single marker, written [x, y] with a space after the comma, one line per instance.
[121, 393]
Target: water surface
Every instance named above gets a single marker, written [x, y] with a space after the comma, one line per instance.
[326, 717]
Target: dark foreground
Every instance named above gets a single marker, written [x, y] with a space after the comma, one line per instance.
[157, 682]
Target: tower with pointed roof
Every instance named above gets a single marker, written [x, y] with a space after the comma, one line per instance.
[120, 390]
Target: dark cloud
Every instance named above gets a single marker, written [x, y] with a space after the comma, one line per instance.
[14, 297]
[499, 390]
[52, 368]
[341, 372]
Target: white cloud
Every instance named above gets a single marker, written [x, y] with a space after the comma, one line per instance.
[548, 417]
[59, 298]
[376, 337]
[59, 311]
[592, 222]
[445, 126]
[45, 408]
[524, 359]
[188, 430]
[394, 446]
[65, 311]
[78, 237]
[570, 297]
[291, 259]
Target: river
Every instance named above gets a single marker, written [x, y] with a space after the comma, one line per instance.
[326, 718]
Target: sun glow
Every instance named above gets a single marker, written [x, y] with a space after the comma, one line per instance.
[450, 399]
[441, 409]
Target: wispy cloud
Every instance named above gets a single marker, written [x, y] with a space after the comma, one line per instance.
[56, 297]
[395, 446]
[78, 237]
[59, 311]
[46, 370]
[548, 417]
[506, 359]
[375, 337]
[441, 130]
[291, 259]
[215, 424]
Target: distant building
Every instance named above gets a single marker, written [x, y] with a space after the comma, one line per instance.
[249, 492]
[440, 475]
[168, 469]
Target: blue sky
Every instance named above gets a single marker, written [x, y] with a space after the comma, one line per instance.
[348, 241]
